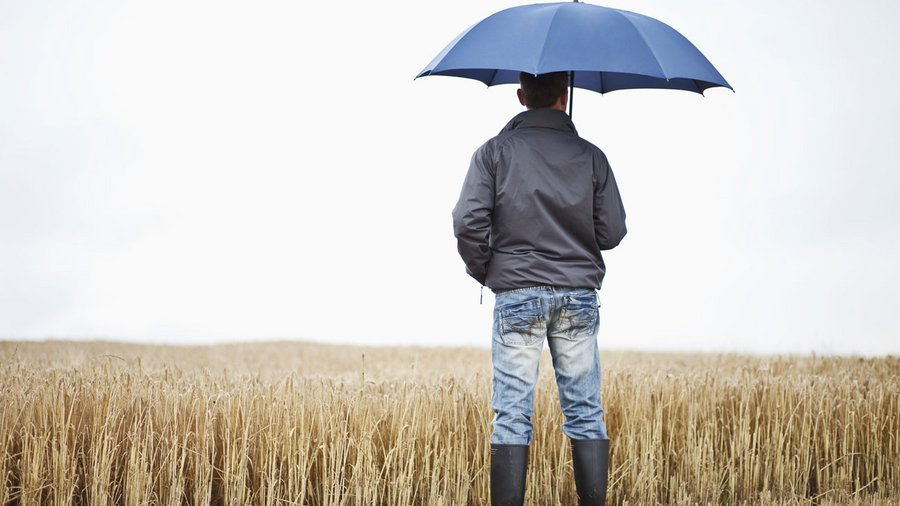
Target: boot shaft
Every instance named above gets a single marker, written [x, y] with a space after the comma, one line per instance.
[590, 461]
[509, 464]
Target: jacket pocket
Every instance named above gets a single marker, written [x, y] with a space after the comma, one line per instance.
[578, 318]
[522, 323]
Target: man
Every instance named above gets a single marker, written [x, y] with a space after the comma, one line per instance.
[537, 206]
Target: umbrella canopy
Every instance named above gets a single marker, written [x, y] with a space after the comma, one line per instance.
[604, 49]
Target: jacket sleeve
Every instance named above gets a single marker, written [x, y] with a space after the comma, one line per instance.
[472, 215]
[609, 214]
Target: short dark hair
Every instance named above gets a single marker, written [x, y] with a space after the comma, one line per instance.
[542, 90]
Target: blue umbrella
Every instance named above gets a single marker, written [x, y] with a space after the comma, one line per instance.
[603, 49]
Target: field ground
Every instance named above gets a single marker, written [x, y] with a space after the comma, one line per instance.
[298, 423]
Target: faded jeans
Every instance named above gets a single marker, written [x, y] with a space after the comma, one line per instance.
[568, 318]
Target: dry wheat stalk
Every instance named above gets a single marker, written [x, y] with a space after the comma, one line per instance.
[296, 423]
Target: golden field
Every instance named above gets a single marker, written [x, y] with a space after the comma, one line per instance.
[280, 423]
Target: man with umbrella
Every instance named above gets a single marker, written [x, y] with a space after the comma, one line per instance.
[538, 205]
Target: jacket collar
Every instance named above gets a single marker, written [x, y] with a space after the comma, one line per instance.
[541, 118]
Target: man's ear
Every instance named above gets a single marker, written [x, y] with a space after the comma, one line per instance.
[521, 95]
[564, 99]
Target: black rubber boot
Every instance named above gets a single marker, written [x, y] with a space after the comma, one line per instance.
[508, 466]
[590, 460]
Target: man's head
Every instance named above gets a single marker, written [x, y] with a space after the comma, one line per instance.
[544, 90]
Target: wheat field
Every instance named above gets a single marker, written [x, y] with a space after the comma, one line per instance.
[280, 423]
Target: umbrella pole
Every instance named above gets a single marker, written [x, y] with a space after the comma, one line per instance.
[571, 85]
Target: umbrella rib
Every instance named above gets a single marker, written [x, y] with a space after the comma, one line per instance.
[493, 77]
[646, 43]
[547, 35]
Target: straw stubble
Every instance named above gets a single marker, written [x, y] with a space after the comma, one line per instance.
[280, 423]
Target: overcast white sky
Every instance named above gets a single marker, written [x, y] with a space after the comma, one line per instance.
[201, 171]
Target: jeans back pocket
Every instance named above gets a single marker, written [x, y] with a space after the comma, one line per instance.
[522, 322]
[578, 317]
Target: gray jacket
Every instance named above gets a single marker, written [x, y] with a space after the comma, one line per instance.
[537, 206]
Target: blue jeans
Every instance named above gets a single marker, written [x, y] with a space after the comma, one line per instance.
[568, 318]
